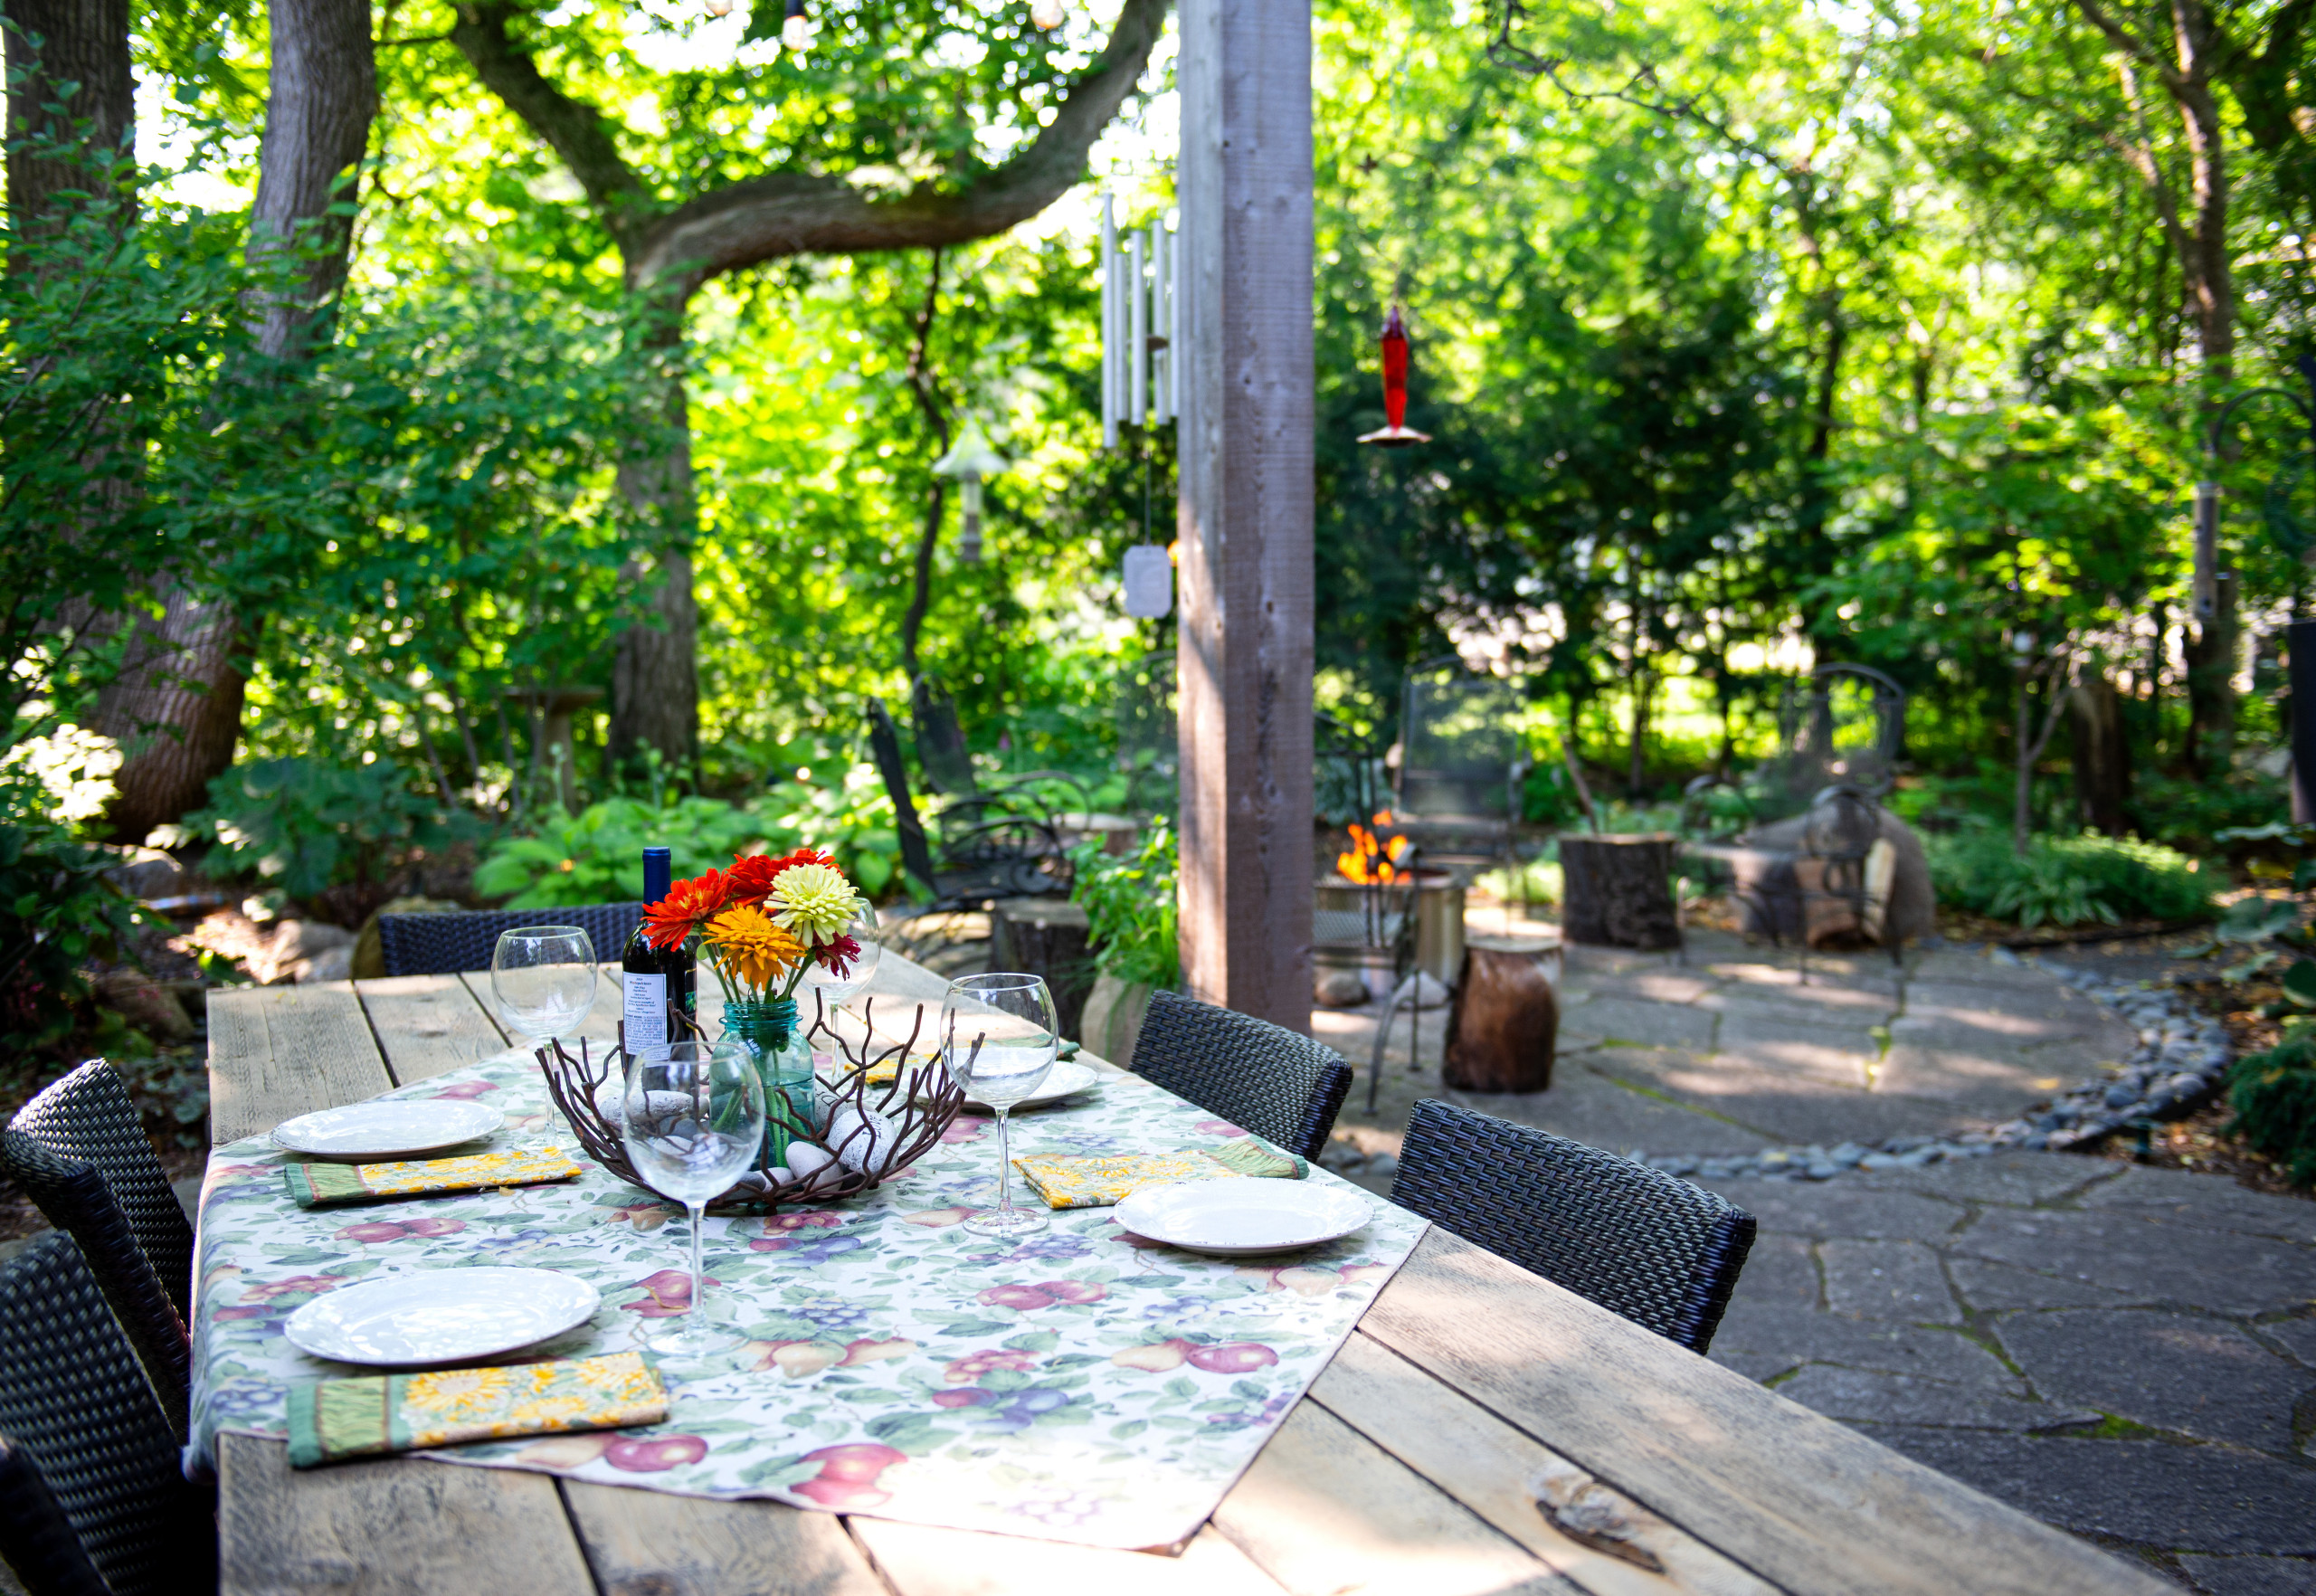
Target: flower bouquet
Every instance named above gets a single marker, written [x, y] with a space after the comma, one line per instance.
[765, 927]
[760, 926]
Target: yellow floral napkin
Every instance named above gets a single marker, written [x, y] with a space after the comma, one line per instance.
[332, 1420]
[1097, 1181]
[324, 1185]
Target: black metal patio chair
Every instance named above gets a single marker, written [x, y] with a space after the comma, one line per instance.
[92, 1500]
[444, 944]
[994, 844]
[1262, 1078]
[1642, 1244]
[1802, 854]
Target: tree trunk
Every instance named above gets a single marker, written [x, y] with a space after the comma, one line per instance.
[176, 707]
[1505, 1018]
[81, 41]
[655, 674]
[1617, 891]
[2102, 754]
[322, 98]
[2210, 652]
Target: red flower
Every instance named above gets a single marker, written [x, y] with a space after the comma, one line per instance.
[838, 955]
[752, 875]
[689, 906]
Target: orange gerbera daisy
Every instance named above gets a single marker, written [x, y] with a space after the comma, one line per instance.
[689, 906]
[752, 875]
[745, 940]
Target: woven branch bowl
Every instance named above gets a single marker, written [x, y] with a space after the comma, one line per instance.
[910, 1115]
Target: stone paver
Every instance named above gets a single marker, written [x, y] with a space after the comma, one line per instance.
[2152, 1494]
[2251, 1576]
[2128, 1353]
[2175, 1372]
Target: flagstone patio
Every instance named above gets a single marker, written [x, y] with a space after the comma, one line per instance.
[2128, 1353]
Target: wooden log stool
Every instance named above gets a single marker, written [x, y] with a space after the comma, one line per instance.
[1505, 1020]
[1617, 891]
[1046, 936]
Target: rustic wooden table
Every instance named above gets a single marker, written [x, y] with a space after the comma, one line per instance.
[1414, 1466]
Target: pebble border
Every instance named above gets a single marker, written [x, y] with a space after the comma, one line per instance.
[2182, 1060]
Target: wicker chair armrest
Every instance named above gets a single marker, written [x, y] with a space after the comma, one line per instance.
[36, 1539]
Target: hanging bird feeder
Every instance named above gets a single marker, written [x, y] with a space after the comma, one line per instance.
[1395, 433]
[969, 460]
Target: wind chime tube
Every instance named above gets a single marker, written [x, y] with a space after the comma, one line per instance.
[1109, 326]
[1173, 322]
[1138, 335]
[1162, 360]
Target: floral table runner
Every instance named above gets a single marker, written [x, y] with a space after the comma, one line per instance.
[1083, 1385]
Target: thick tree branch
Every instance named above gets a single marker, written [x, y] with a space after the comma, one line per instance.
[577, 132]
[784, 213]
[2130, 44]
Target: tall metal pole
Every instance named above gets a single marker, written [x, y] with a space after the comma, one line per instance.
[1245, 645]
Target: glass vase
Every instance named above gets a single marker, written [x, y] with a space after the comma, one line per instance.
[784, 1061]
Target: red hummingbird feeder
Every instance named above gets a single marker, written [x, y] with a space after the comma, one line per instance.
[1395, 433]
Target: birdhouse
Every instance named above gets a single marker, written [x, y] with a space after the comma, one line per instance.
[1395, 433]
[970, 459]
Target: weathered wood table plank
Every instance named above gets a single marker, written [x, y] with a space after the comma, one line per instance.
[1414, 1466]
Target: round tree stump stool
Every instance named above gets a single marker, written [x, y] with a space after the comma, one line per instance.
[1617, 891]
[1505, 1020]
[1046, 936]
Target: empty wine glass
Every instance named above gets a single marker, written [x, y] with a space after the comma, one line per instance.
[693, 1122]
[544, 978]
[999, 1037]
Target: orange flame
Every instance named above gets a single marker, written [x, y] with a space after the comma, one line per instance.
[1372, 859]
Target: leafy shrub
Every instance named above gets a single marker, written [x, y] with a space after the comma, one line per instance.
[56, 907]
[305, 824]
[2066, 880]
[596, 856]
[2274, 1095]
[1129, 903]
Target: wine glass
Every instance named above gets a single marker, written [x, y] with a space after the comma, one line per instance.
[693, 1122]
[997, 1039]
[544, 977]
[832, 989]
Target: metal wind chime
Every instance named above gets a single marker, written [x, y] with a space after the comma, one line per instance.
[1141, 380]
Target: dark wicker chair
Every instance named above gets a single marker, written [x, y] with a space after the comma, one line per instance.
[77, 1200]
[87, 1118]
[1262, 1078]
[79, 1416]
[1660, 1251]
[443, 945]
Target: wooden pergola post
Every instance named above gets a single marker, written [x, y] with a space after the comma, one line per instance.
[1244, 703]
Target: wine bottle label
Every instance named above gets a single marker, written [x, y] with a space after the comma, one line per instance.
[646, 1014]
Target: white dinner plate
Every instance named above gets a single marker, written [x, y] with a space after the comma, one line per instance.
[377, 1133]
[441, 1315]
[1066, 1079]
[1245, 1216]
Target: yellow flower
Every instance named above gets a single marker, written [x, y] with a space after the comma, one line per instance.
[746, 942]
[459, 1396]
[814, 902]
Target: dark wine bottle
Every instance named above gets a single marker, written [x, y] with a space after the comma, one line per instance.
[652, 978]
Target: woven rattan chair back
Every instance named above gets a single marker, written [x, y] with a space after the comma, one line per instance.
[1262, 1078]
[36, 1539]
[443, 945]
[72, 1399]
[88, 1118]
[1660, 1251]
[76, 1200]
